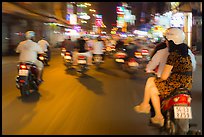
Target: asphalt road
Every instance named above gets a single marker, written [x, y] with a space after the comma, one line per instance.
[101, 103]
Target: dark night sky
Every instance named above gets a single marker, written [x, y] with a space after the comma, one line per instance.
[108, 11]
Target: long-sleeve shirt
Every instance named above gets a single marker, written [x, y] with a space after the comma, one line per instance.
[158, 60]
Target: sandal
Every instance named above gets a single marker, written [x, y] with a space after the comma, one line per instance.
[142, 109]
[159, 121]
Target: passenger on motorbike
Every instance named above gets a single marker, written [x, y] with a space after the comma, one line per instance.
[177, 73]
[131, 48]
[98, 48]
[44, 44]
[119, 45]
[82, 49]
[45, 47]
[69, 45]
[159, 58]
[29, 51]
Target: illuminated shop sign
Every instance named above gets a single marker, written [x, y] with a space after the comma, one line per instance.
[70, 9]
[98, 16]
[177, 20]
[86, 17]
[120, 21]
[73, 19]
[98, 22]
[120, 10]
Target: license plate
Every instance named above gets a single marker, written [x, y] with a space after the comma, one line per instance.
[67, 57]
[97, 59]
[81, 61]
[145, 54]
[182, 112]
[132, 64]
[119, 60]
[23, 72]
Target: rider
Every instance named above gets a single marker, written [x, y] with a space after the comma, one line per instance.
[131, 48]
[29, 50]
[98, 48]
[69, 45]
[177, 73]
[159, 58]
[45, 46]
[82, 49]
[119, 45]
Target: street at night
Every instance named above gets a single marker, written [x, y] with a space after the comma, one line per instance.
[99, 103]
[101, 68]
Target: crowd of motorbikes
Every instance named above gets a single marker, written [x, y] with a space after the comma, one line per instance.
[176, 108]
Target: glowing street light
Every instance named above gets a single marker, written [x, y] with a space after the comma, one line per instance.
[92, 10]
[87, 4]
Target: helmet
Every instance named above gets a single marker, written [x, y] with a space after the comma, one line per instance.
[29, 34]
[175, 34]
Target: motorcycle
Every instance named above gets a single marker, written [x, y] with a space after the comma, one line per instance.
[97, 60]
[146, 55]
[44, 59]
[134, 63]
[27, 78]
[131, 65]
[110, 50]
[82, 64]
[176, 109]
[68, 59]
[120, 56]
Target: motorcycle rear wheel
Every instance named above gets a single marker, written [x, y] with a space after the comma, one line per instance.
[182, 126]
[24, 91]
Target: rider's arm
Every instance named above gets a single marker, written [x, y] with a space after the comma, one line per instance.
[167, 71]
[18, 49]
[154, 62]
[168, 67]
[193, 60]
[39, 49]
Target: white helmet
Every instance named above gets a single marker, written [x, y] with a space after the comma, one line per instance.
[175, 34]
[29, 34]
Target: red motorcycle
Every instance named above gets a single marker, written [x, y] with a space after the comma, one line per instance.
[176, 109]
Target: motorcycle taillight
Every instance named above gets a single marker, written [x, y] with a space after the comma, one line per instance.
[121, 56]
[145, 52]
[138, 54]
[67, 54]
[81, 57]
[22, 66]
[41, 58]
[112, 47]
[132, 60]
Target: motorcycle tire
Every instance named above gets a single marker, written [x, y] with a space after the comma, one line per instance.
[182, 126]
[24, 91]
[171, 130]
[34, 86]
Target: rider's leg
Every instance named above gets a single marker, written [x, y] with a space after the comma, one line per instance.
[40, 69]
[151, 92]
